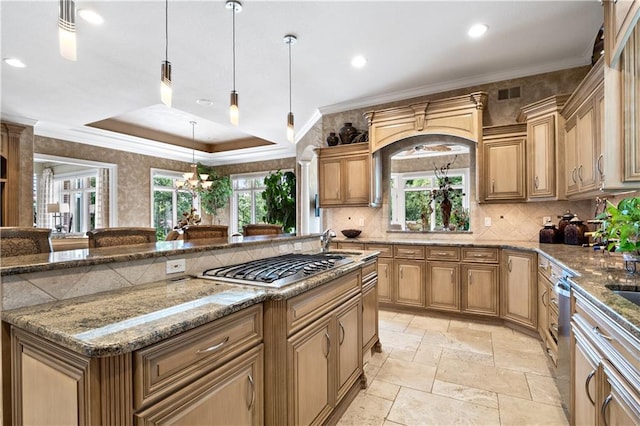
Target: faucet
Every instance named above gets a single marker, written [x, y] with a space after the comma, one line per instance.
[325, 239]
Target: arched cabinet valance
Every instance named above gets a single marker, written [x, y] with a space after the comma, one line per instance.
[457, 116]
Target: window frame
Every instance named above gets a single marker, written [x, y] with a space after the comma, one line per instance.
[173, 175]
[233, 214]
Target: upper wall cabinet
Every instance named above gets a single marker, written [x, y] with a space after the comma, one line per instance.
[545, 147]
[584, 162]
[501, 163]
[621, 16]
[10, 174]
[344, 175]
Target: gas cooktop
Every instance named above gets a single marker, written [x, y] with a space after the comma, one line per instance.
[276, 272]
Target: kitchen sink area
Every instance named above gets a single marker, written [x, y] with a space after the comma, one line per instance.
[632, 295]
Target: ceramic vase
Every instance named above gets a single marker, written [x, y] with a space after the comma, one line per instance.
[445, 209]
[332, 139]
[347, 133]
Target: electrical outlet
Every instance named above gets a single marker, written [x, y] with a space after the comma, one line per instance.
[361, 222]
[283, 249]
[545, 220]
[487, 221]
[297, 246]
[176, 266]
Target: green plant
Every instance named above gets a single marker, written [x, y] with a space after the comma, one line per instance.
[280, 199]
[217, 195]
[621, 225]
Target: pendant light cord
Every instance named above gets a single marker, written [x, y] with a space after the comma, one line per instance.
[233, 11]
[193, 142]
[290, 75]
[166, 30]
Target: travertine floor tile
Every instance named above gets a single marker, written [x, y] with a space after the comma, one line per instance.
[468, 356]
[378, 358]
[469, 340]
[383, 390]
[414, 407]
[518, 342]
[543, 389]
[524, 361]
[482, 376]
[516, 411]
[409, 374]
[366, 409]
[430, 323]
[395, 340]
[403, 354]
[428, 355]
[466, 393]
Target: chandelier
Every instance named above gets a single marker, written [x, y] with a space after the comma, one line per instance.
[193, 182]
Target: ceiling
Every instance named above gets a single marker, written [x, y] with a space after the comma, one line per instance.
[412, 48]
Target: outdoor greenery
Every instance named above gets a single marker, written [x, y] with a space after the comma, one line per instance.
[621, 225]
[280, 199]
[163, 205]
[217, 196]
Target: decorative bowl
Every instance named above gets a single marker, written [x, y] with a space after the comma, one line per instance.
[351, 233]
[414, 226]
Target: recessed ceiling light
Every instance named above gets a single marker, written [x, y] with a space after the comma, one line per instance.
[477, 30]
[358, 61]
[90, 16]
[204, 102]
[14, 62]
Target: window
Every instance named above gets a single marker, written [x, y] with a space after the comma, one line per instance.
[76, 194]
[410, 192]
[247, 205]
[168, 204]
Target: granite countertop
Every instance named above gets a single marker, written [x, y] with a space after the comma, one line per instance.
[97, 256]
[122, 321]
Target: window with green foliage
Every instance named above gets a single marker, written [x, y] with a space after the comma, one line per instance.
[78, 191]
[247, 205]
[168, 204]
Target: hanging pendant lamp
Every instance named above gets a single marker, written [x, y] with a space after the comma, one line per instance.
[67, 29]
[192, 181]
[234, 113]
[290, 40]
[165, 70]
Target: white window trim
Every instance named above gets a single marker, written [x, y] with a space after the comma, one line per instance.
[172, 174]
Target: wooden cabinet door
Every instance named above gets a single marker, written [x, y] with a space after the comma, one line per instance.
[541, 158]
[504, 175]
[409, 282]
[619, 403]
[230, 395]
[385, 279]
[369, 316]
[443, 286]
[349, 345]
[584, 381]
[544, 296]
[587, 147]
[330, 174]
[479, 285]
[519, 287]
[571, 162]
[312, 387]
[356, 170]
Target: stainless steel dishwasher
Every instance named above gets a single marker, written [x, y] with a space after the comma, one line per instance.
[560, 329]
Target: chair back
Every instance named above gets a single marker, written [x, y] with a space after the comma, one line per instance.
[261, 229]
[125, 236]
[16, 241]
[201, 232]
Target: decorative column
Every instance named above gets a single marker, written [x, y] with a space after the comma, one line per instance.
[303, 227]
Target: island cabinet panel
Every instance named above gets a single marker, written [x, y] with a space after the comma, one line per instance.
[443, 288]
[519, 287]
[349, 346]
[370, 340]
[231, 395]
[479, 289]
[162, 368]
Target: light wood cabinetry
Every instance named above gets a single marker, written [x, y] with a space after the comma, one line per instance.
[630, 67]
[370, 339]
[408, 275]
[10, 174]
[621, 16]
[344, 175]
[479, 289]
[385, 271]
[545, 147]
[605, 362]
[518, 302]
[443, 286]
[502, 163]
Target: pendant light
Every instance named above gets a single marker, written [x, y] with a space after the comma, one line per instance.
[193, 182]
[67, 29]
[234, 113]
[290, 40]
[165, 70]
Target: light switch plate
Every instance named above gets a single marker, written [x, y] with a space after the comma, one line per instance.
[361, 222]
[175, 266]
[545, 220]
[487, 221]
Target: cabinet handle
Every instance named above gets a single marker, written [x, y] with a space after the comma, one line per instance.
[535, 182]
[253, 392]
[337, 194]
[580, 172]
[573, 175]
[328, 344]
[596, 330]
[509, 265]
[599, 166]
[554, 327]
[443, 253]
[554, 300]
[586, 386]
[342, 331]
[542, 297]
[480, 255]
[386, 273]
[401, 269]
[603, 409]
[493, 186]
[214, 347]
[470, 278]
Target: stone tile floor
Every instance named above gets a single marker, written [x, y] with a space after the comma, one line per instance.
[440, 370]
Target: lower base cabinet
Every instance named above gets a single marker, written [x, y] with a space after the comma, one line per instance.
[479, 285]
[231, 395]
[443, 288]
[518, 290]
[409, 282]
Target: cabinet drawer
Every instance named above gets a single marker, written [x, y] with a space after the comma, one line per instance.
[166, 366]
[443, 253]
[308, 306]
[369, 271]
[386, 250]
[479, 255]
[408, 252]
[350, 246]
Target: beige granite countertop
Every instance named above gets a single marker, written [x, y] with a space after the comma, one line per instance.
[122, 321]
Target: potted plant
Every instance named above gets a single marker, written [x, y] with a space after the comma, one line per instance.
[217, 195]
[280, 199]
[621, 227]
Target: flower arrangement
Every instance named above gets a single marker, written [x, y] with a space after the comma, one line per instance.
[460, 216]
[188, 218]
[444, 190]
[621, 226]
